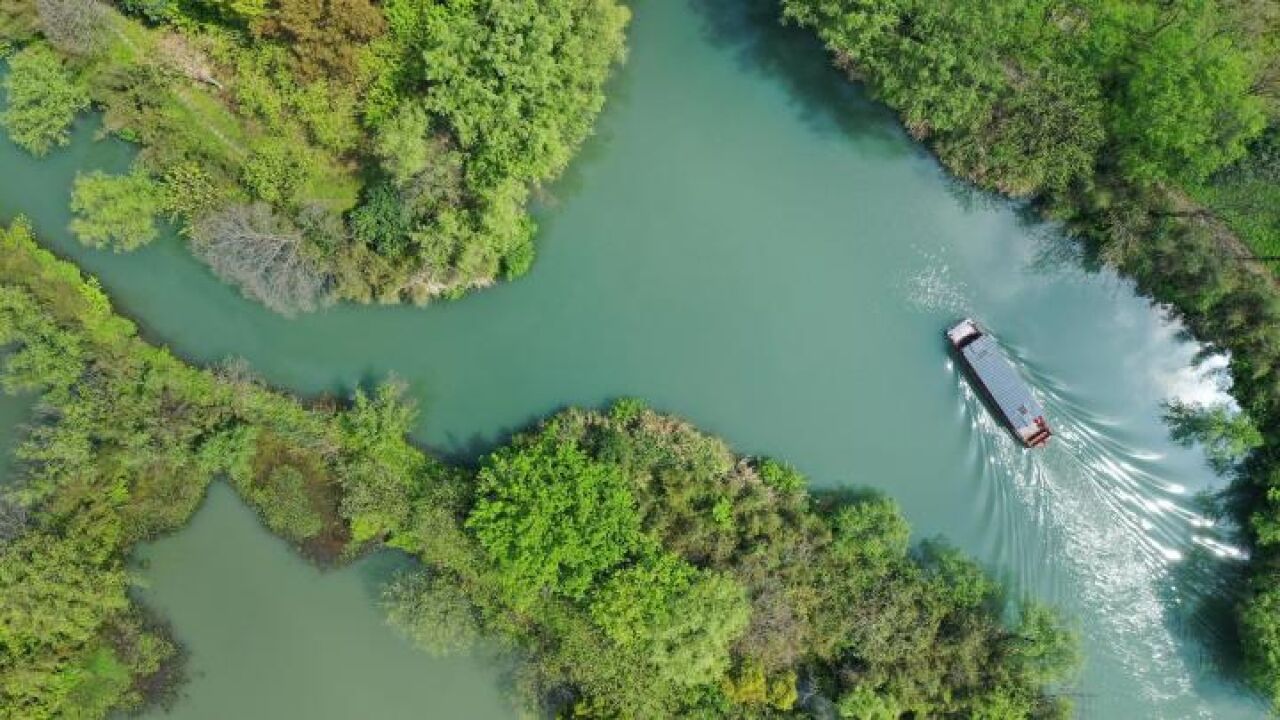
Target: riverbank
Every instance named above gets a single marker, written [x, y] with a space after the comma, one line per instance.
[636, 562]
[270, 635]
[314, 152]
[668, 260]
[1103, 116]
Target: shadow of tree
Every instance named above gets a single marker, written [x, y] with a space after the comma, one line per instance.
[826, 100]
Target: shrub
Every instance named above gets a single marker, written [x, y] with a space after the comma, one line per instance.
[431, 611]
[115, 211]
[43, 100]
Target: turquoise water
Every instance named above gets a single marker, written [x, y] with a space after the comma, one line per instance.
[748, 242]
[271, 637]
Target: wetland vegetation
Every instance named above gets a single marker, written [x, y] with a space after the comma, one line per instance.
[344, 150]
[636, 566]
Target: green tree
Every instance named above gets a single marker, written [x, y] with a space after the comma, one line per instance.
[552, 518]
[691, 645]
[382, 472]
[241, 12]
[518, 84]
[188, 192]
[1260, 634]
[1227, 436]
[286, 505]
[1185, 110]
[275, 172]
[1043, 650]
[383, 221]
[43, 100]
[403, 142]
[115, 211]
[55, 597]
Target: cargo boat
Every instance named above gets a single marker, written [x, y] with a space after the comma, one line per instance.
[999, 383]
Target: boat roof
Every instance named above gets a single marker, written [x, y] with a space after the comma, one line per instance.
[1007, 388]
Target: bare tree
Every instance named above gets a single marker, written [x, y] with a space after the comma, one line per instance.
[75, 26]
[262, 253]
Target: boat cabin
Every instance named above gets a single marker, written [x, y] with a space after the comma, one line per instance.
[999, 383]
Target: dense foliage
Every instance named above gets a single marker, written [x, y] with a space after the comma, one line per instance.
[640, 567]
[398, 141]
[43, 99]
[1120, 117]
[125, 440]
[1033, 95]
[118, 212]
[729, 588]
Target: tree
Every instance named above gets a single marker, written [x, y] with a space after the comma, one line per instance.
[54, 601]
[325, 36]
[382, 472]
[13, 520]
[263, 254]
[432, 611]
[1227, 437]
[285, 504]
[239, 12]
[1185, 109]
[275, 171]
[78, 27]
[691, 645]
[402, 143]
[382, 221]
[552, 518]
[1260, 634]
[43, 100]
[115, 211]
[188, 191]
[517, 83]
[1043, 651]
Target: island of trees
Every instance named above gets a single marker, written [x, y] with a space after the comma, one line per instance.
[319, 149]
[1153, 131]
[635, 566]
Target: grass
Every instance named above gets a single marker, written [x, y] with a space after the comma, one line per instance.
[1251, 208]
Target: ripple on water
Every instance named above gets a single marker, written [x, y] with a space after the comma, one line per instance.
[1110, 523]
[934, 289]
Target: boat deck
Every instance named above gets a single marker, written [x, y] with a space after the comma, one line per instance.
[1002, 383]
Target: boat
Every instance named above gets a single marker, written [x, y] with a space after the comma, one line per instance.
[999, 383]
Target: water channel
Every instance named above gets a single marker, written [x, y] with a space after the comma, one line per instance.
[750, 243]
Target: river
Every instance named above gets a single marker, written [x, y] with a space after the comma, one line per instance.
[750, 243]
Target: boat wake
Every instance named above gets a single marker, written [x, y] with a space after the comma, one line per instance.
[1115, 526]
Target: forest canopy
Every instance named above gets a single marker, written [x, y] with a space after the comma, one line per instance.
[397, 142]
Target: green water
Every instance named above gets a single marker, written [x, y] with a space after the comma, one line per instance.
[753, 245]
[271, 637]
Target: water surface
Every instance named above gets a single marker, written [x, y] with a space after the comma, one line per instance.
[271, 637]
[750, 243]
